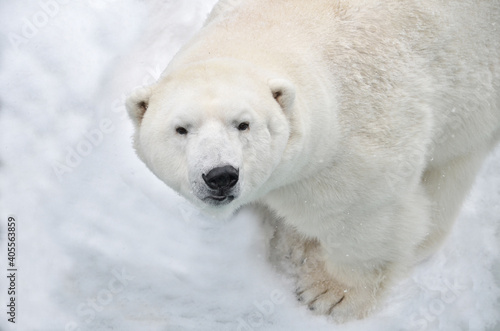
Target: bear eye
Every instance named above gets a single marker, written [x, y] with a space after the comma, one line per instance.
[243, 126]
[182, 131]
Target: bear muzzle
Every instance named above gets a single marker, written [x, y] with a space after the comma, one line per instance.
[221, 182]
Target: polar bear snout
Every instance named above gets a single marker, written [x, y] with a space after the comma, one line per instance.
[221, 182]
[222, 178]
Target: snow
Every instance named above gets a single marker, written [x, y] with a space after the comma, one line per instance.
[104, 245]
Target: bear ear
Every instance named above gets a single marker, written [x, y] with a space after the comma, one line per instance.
[283, 92]
[137, 103]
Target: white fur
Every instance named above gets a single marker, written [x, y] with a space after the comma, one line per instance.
[368, 123]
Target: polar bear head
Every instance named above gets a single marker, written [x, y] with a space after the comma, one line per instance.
[214, 131]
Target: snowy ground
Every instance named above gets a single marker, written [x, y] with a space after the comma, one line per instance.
[104, 245]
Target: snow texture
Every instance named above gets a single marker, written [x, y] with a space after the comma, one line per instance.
[104, 245]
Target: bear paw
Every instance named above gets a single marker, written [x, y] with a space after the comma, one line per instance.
[320, 297]
[305, 261]
[324, 295]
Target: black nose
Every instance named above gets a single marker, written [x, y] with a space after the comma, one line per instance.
[222, 178]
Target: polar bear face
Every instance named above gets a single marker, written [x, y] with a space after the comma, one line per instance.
[214, 132]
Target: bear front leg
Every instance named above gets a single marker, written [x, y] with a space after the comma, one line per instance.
[340, 290]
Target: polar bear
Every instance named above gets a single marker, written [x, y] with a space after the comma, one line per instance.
[358, 127]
